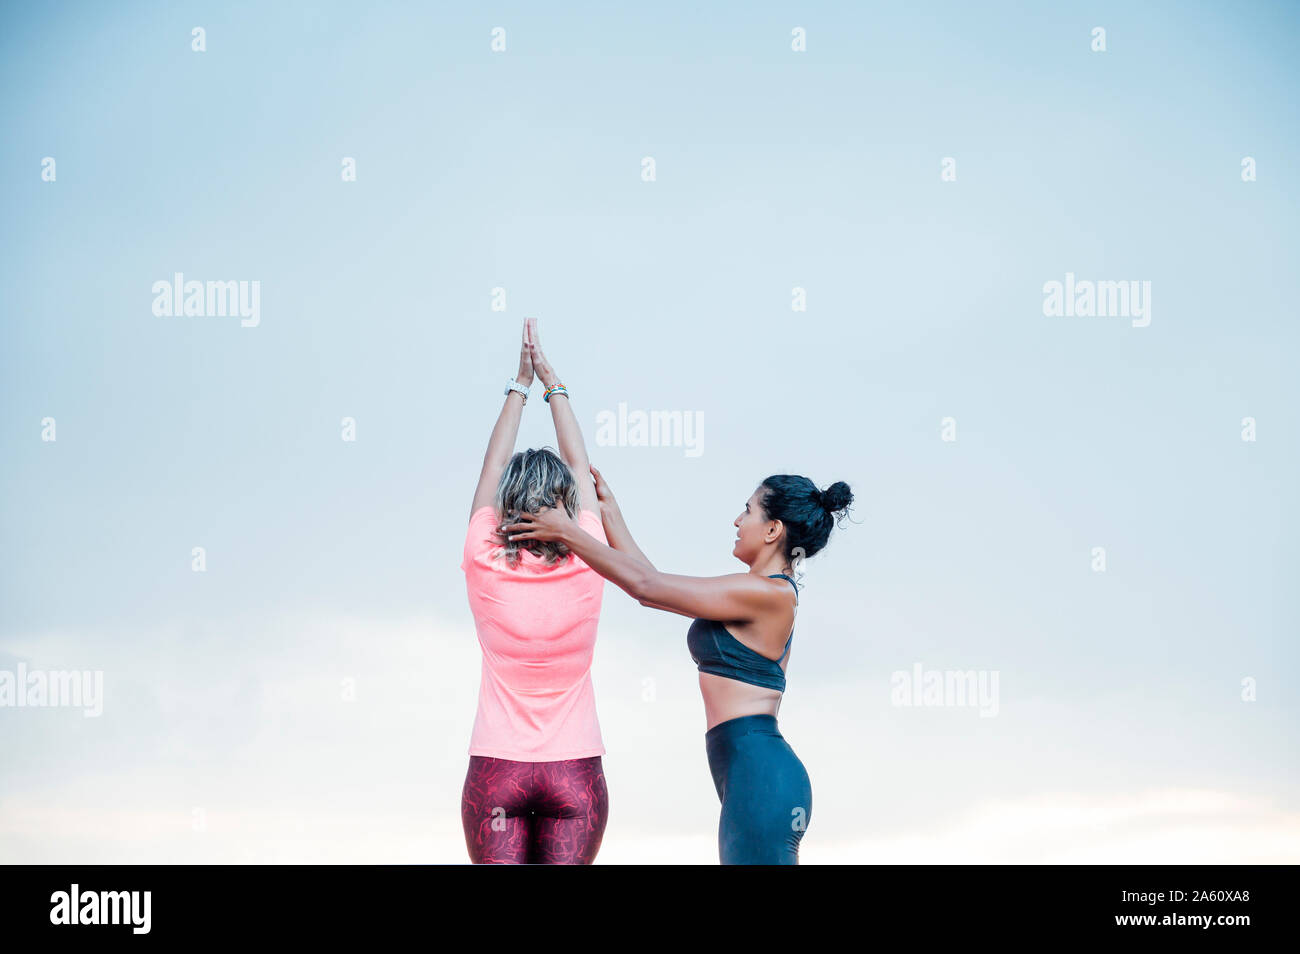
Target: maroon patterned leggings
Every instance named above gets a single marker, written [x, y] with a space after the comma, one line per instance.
[540, 813]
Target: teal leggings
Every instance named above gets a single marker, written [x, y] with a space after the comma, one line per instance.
[765, 793]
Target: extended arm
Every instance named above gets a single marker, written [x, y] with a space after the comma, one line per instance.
[611, 516]
[737, 596]
[620, 538]
[618, 535]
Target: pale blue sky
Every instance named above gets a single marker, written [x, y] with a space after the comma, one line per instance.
[775, 169]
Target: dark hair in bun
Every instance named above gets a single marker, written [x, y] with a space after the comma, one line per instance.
[808, 513]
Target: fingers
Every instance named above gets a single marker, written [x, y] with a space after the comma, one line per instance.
[535, 342]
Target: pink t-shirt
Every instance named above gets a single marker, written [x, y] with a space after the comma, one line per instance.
[537, 628]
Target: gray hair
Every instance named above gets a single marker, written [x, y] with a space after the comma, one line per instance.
[530, 482]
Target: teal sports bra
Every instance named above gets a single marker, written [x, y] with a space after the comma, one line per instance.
[717, 652]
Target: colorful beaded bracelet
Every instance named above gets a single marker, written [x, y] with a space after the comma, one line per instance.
[555, 389]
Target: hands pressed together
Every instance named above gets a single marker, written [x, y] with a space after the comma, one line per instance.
[551, 523]
[531, 358]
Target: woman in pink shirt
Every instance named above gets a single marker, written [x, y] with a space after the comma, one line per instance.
[535, 791]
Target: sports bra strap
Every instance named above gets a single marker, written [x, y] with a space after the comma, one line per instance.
[787, 648]
[772, 576]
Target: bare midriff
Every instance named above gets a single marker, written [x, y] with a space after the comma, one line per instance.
[731, 699]
[725, 698]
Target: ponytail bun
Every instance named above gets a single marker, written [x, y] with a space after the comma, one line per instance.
[836, 497]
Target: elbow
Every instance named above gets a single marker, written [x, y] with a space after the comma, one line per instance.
[641, 586]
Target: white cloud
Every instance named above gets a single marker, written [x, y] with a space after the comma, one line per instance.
[243, 721]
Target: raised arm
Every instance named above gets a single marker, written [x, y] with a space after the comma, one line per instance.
[568, 435]
[611, 516]
[619, 536]
[501, 445]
